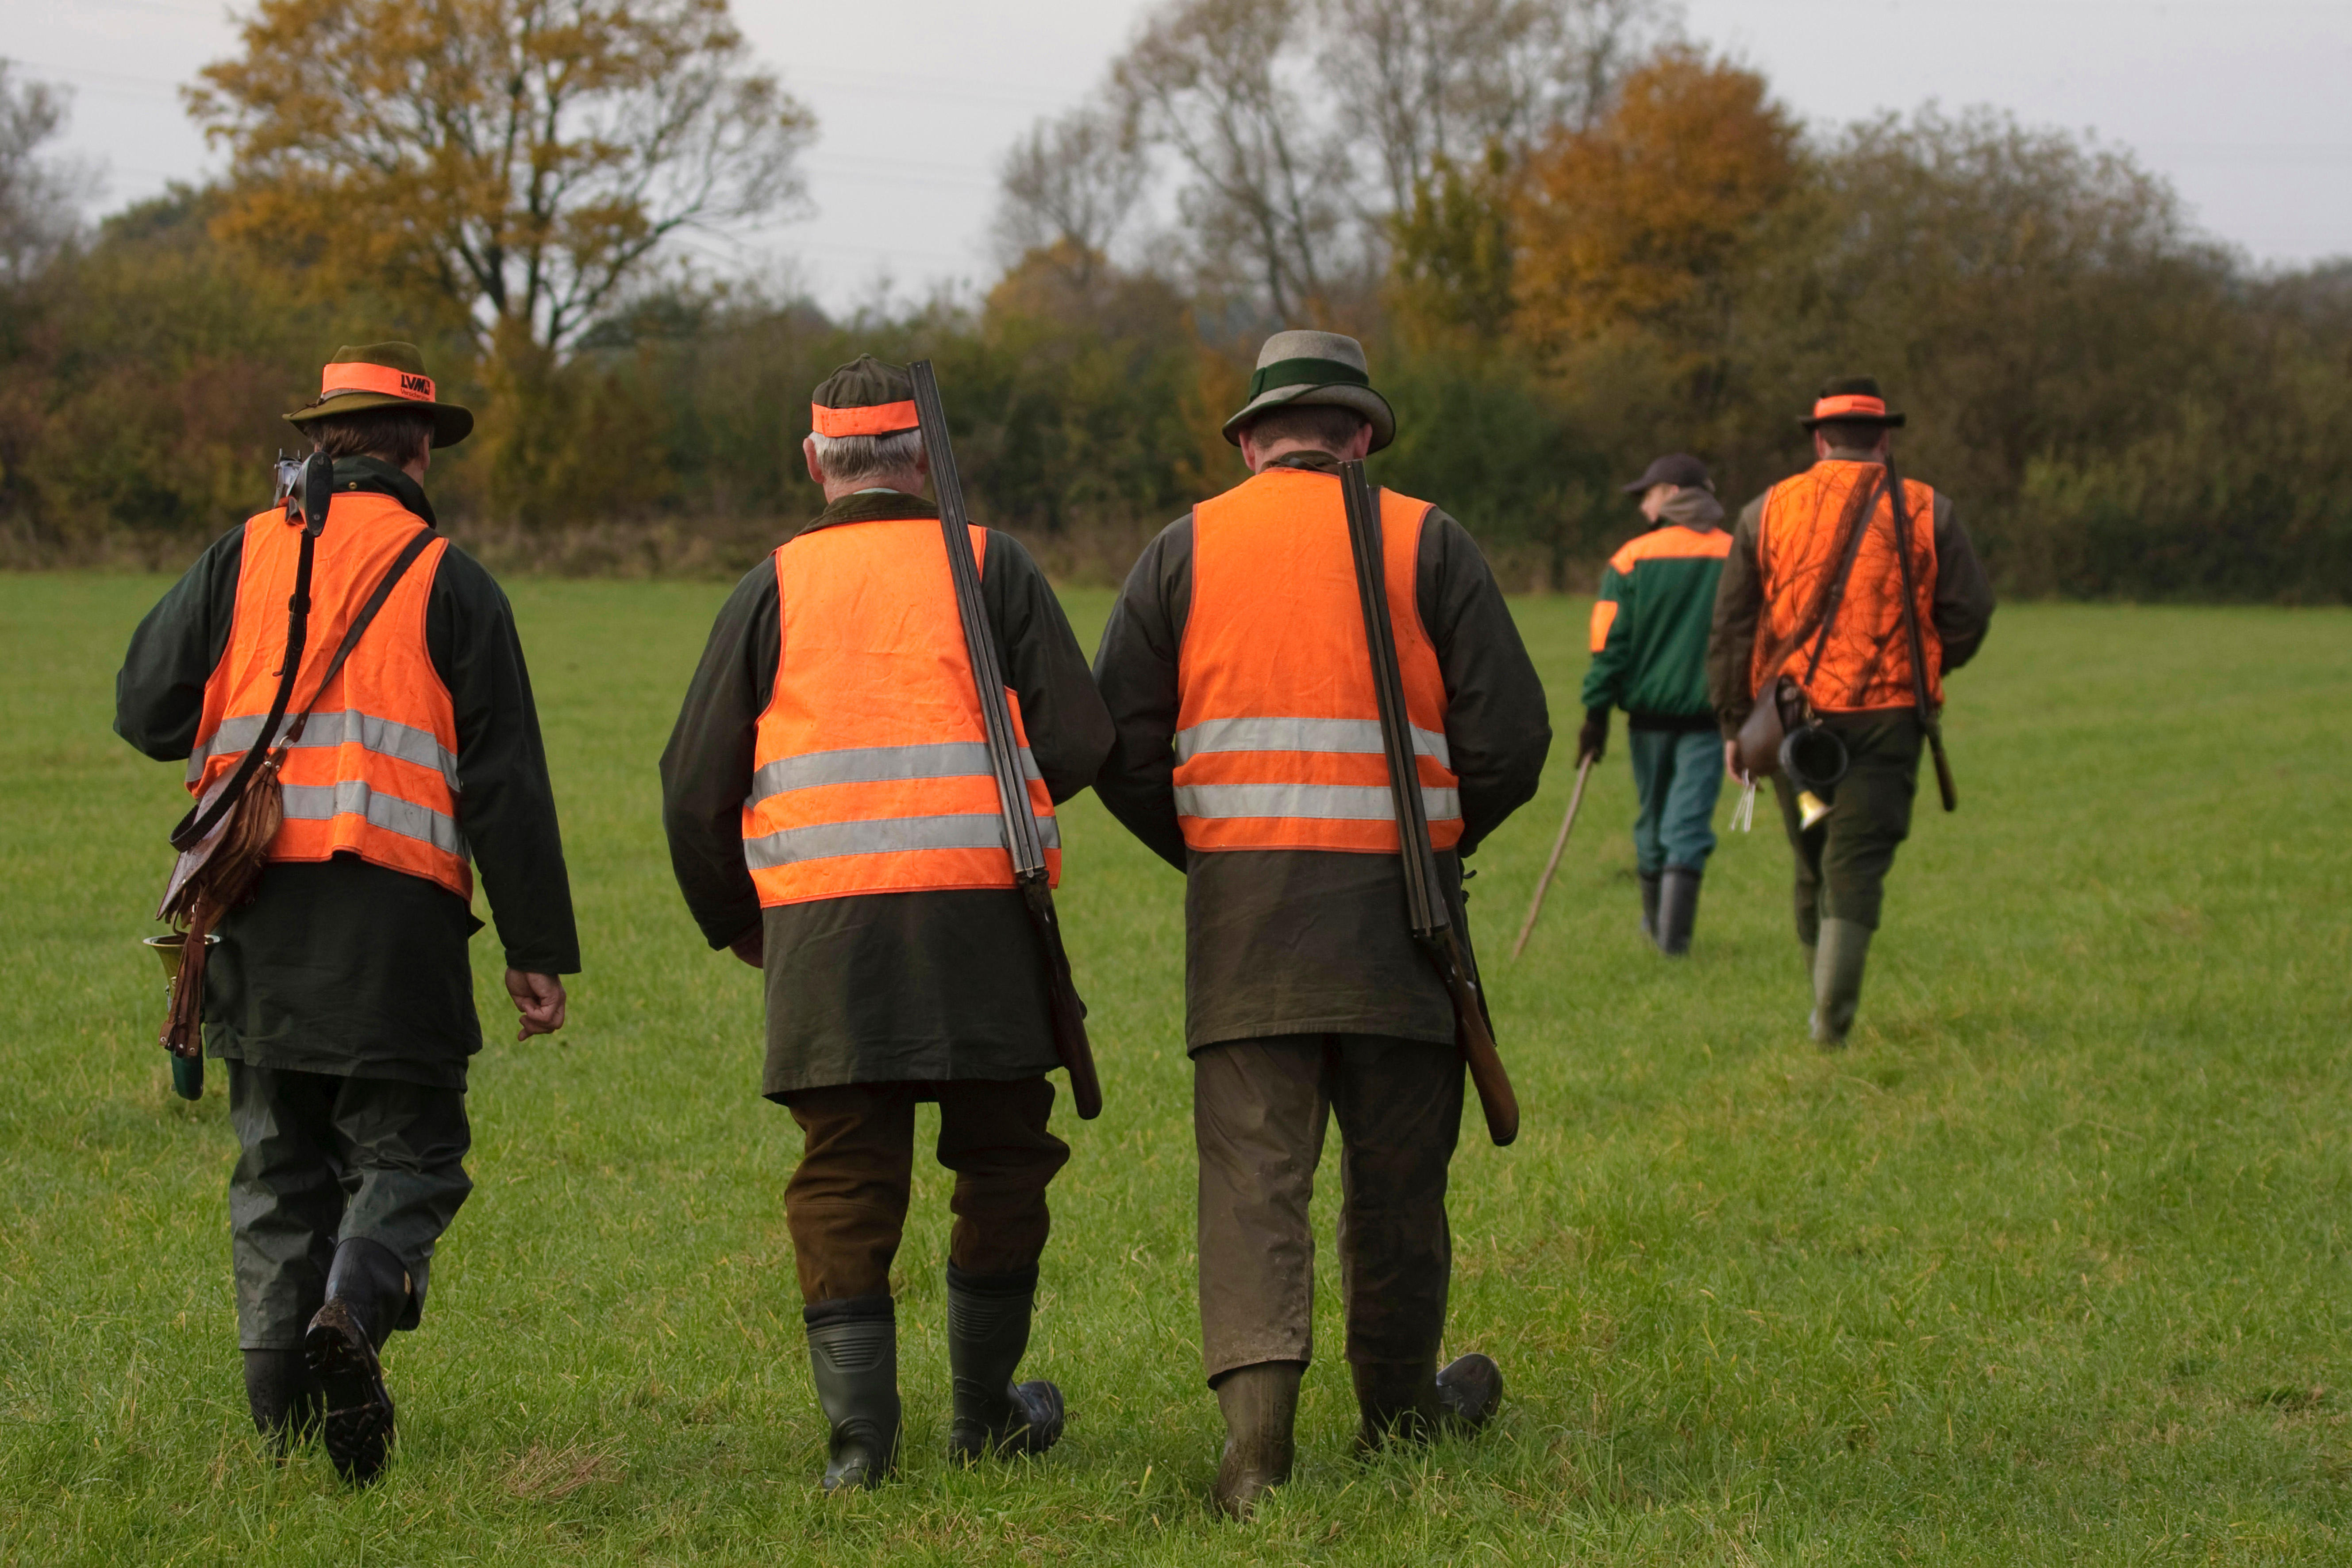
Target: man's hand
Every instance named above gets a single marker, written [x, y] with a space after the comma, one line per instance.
[751, 947]
[539, 999]
[1593, 740]
[1731, 762]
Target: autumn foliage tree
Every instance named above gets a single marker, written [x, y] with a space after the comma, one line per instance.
[520, 161]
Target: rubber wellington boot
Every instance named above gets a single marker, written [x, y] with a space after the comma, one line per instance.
[1677, 910]
[1837, 979]
[1414, 1402]
[283, 1396]
[1650, 907]
[853, 1357]
[988, 1333]
[367, 1291]
[1261, 1407]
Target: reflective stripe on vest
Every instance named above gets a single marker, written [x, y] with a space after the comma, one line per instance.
[1866, 663]
[1278, 745]
[871, 769]
[374, 773]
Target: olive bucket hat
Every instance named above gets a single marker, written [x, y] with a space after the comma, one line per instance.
[382, 375]
[1300, 368]
[1854, 399]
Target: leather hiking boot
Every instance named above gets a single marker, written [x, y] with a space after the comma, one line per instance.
[1471, 1389]
[367, 1290]
[1677, 910]
[1837, 979]
[1260, 1405]
[987, 1333]
[1650, 908]
[283, 1397]
[854, 1358]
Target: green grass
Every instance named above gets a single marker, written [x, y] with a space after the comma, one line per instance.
[2051, 1267]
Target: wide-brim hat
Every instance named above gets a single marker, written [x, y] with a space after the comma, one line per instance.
[382, 375]
[1852, 400]
[1300, 368]
[863, 397]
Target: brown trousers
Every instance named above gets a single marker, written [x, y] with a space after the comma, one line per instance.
[847, 1203]
[1259, 1109]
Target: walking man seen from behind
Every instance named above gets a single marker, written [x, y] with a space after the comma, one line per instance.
[833, 819]
[1649, 628]
[1250, 757]
[1773, 619]
[341, 996]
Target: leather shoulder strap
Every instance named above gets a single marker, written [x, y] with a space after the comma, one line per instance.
[1836, 600]
[360, 622]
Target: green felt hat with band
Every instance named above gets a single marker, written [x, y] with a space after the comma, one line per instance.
[1300, 368]
[382, 375]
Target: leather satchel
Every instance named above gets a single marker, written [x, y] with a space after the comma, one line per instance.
[223, 841]
[1788, 706]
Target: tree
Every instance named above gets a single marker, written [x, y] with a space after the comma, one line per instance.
[1215, 82]
[37, 209]
[522, 160]
[1646, 215]
[1431, 82]
[1066, 189]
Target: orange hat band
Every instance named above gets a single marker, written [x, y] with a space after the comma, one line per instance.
[1849, 405]
[881, 419]
[337, 379]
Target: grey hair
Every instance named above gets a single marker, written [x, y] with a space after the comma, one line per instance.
[869, 456]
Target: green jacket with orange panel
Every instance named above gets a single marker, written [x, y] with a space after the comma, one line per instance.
[1649, 624]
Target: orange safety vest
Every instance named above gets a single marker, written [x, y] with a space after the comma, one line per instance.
[870, 767]
[1279, 732]
[1866, 664]
[375, 772]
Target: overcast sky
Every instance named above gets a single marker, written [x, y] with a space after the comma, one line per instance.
[2243, 104]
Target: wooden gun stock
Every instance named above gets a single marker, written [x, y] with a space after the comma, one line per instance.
[1496, 1099]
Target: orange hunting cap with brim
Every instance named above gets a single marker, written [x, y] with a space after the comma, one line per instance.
[863, 397]
[382, 375]
[1854, 398]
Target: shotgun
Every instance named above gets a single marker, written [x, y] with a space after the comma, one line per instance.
[1433, 926]
[1022, 838]
[1928, 718]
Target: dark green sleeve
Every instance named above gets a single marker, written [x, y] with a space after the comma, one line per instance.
[1068, 727]
[159, 695]
[506, 802]
[1604, 681]
[1731, 641]
[1135, 670]
[1962, 605]
[706, 769]
[1497, 724]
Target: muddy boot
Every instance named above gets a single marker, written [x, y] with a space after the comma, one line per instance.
[1650, 907]
[367, 1293]
[1260, 1405]
[1837, 979]
[854, 1358]
[1677, 910]
[988, 1330]
[283, 1396]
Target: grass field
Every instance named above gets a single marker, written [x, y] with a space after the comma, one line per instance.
[2054, 1266]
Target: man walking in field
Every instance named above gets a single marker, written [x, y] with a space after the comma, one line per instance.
[341, 997]
[834, 821]
[1773, 620]
[1649, 628]
[1250, 757]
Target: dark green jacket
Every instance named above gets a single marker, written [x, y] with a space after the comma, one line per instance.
[1651, 621]
[1287, 941]
[879, 987]
[343, 967]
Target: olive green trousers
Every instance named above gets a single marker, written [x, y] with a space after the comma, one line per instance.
[1842, 860]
